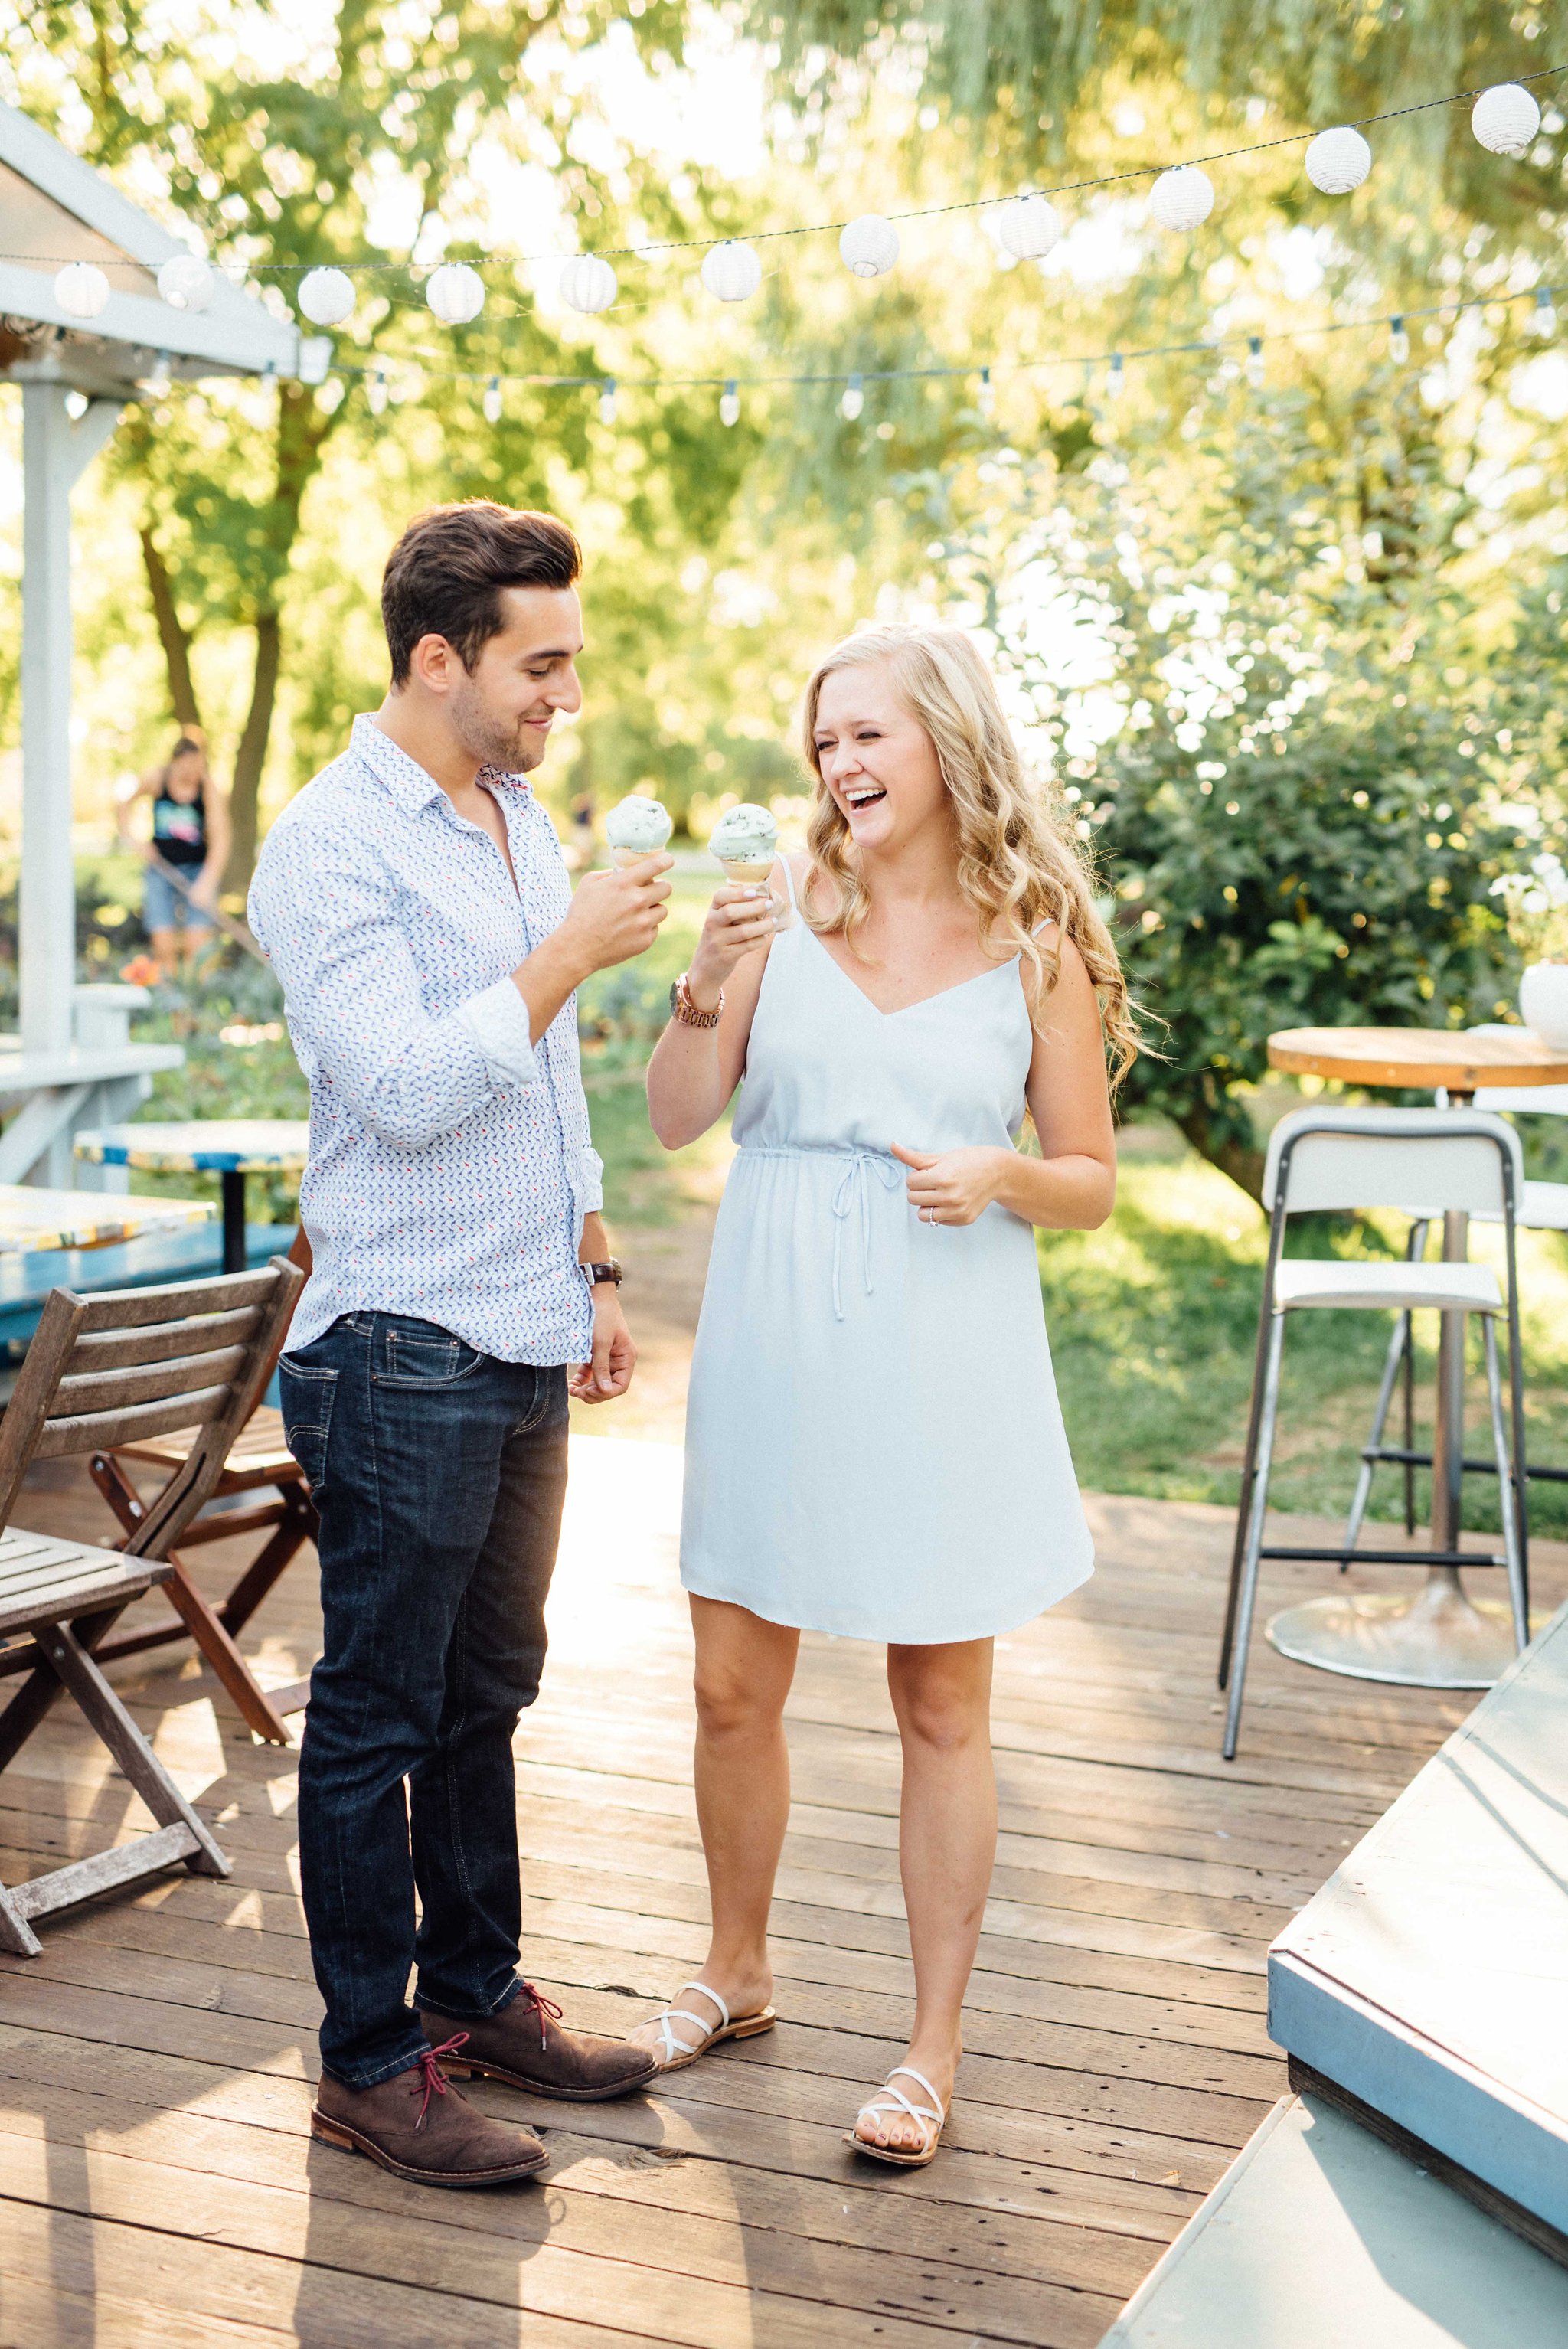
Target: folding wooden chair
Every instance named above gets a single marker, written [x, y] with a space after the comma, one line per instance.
[259, 1463]
[101, 1370]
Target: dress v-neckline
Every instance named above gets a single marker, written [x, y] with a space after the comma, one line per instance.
[920, 1001]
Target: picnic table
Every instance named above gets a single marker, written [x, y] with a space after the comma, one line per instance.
[33, 1219]
[231, 1148]
[1438, 1640]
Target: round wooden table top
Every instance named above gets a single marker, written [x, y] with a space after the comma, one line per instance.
[1423, 1058]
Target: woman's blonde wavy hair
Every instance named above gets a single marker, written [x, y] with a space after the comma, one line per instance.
[1018, 863]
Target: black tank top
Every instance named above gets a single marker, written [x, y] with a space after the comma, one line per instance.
[179, 826]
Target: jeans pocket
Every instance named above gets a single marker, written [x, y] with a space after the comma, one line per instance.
[308, 1396]
[419, 1354]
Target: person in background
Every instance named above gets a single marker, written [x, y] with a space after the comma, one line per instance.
[189, 844]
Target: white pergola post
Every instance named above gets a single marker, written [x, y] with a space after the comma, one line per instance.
[56, 449]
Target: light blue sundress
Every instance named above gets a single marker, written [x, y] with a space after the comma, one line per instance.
[875, 1445]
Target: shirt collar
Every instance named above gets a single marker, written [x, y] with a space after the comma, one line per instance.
[404, 777]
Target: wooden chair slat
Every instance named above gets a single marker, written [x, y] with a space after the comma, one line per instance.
[100, 1431]
[84, 1593]
[130, 1309]
[145, 1382]
[43, 1573]
[200, 1333]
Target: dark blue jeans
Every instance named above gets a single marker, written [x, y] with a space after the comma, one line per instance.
[439, 1474]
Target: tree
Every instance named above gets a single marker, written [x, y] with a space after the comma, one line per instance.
[277, 172]
[1307, 774]
[1028, 80]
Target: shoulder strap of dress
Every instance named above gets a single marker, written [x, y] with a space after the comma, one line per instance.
[789, 882]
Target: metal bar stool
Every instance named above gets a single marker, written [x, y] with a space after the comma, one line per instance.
[1540, 1207]
[1428, 1163]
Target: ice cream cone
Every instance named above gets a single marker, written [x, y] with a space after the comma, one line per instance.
[625, 856]
[747, 869]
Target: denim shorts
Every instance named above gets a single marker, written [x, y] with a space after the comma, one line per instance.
[163, 907]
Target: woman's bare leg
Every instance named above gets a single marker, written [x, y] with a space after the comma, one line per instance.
[947, 1846]
[744, 1668]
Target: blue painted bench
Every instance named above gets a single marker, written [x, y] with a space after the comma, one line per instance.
[1429, 1978]
[1322, 2236]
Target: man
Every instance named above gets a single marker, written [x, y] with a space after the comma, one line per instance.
[415, 905]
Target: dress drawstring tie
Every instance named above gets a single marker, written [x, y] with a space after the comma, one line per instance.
[854, 1183]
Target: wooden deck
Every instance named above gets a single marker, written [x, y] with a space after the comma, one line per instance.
[156, 2184]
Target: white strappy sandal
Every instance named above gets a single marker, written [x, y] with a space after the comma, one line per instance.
[889, 2100]
[674, 2054]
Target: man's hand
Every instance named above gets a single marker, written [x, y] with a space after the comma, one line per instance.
[609, 1373]
[613, 915]
[616, 915]
[953, 1186]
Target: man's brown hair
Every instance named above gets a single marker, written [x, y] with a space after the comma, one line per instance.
[445, 575]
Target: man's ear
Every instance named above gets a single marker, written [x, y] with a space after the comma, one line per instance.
[433, 664]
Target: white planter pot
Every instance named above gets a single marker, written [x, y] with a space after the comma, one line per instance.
[1543, 1001]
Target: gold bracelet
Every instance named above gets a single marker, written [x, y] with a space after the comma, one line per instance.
[683, 1008]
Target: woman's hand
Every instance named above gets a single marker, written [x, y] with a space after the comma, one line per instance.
[953, 1186]
[741, 918]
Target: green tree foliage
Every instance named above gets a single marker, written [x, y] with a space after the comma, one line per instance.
[279, 173]
[1306, 774]
[1023, 78]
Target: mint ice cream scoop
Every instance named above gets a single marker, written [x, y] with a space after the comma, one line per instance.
[747, 837]
[637, 827]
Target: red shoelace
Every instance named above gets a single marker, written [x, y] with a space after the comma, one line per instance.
[534, 2002]
[429, 2067]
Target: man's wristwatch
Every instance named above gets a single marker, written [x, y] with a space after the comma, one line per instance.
[595, 1273]
[683, 1008]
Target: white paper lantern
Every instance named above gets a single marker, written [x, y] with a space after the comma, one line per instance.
[1505, 119]
[315, 360]
[325, 297]
[1182, 199]
[731, 272]
[1339, 161]
[868, 245]
[588, 283]
[185, 283]
[456, 293]
[1029, 227]
[81, 289]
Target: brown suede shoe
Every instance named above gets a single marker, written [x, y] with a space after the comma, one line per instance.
[417, 2127]
[522, 2046]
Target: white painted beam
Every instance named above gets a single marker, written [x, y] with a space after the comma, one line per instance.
[55, 447]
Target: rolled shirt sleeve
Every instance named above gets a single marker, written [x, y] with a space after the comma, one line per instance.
[500, 1025]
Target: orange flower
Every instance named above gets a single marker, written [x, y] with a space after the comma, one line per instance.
[141, 971]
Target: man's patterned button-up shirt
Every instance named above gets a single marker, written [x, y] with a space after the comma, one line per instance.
[450, 1161]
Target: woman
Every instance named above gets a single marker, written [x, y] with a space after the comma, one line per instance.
[191, 839]
[875, 1447]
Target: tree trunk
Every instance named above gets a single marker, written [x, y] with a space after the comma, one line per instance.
[1242, 1161]
[301, 432]
[174, 637]
[251, 757]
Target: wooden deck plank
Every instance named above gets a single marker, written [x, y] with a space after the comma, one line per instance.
[157, 2187]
